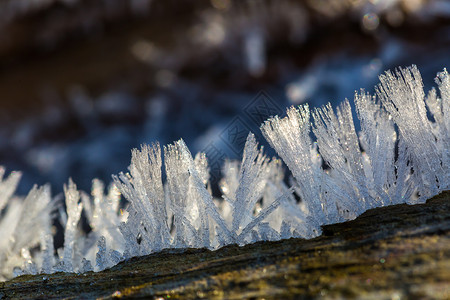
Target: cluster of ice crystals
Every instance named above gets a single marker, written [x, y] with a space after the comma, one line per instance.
[26, 230]
[147, 228]
[400, 155]
[290, 137]
[403, 97]
[26, 223]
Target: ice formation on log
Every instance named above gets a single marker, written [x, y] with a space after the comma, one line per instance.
[401, 155]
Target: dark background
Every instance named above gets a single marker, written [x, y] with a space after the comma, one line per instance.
[83, 82]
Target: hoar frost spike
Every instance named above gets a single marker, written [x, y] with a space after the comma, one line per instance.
[400, 155]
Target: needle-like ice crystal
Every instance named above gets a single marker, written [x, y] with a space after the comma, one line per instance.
[400, 155]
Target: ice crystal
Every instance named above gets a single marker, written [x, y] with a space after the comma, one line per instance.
[26, 224]
[400, 155]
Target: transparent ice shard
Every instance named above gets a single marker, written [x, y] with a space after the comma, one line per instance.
[253, 175]
[8, 186]
[86, 266]
[101, 260]
[74, 207]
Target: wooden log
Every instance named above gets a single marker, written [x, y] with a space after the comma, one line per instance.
[393, 252]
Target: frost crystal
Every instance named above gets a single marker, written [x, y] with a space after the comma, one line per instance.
[403, 97]
[400, 155]
[74, 208]
[290, 137]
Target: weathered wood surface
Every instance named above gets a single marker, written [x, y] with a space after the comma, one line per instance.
[396, 252]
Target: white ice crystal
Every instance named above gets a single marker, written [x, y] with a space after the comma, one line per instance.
[290, 136]
[403, 97]
[400, 155]
[26, 224]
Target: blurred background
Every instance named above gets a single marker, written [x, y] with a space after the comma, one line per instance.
[83, 82]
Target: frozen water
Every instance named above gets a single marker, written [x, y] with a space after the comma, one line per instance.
[401, 155]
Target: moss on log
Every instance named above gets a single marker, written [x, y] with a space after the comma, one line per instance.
[391, 252]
